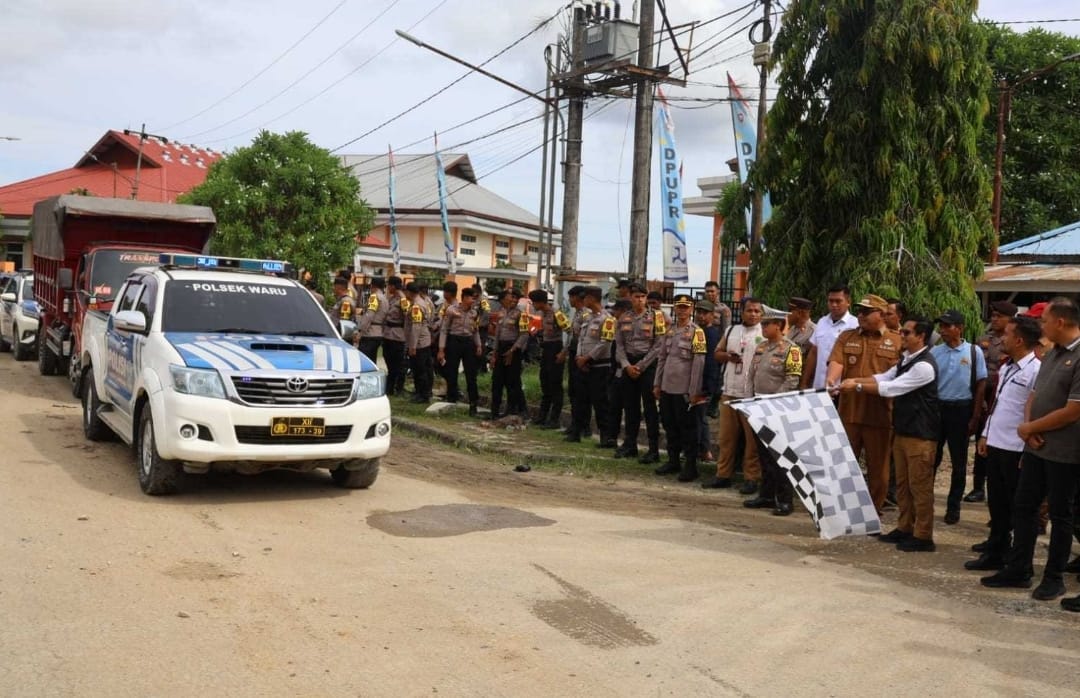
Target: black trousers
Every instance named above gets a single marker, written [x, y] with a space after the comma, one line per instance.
[955, 417]
[551, 390]
[704, 437]
[369, 347]
[394, 356]
[460, 351]
[978, 464]
[593, 398]
[423, 369]
[634, 395]
[681, 428]
[508, 378]
[1043, 479]
[775, 484]
[1002, 476]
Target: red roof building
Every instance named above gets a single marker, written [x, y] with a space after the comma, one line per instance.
[112, 167]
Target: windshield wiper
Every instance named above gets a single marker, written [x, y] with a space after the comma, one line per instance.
[305, 333]
[237, 330]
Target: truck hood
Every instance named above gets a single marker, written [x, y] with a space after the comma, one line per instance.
[227, 352]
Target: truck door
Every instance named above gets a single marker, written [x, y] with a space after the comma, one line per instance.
[123, 351]
[7, 310]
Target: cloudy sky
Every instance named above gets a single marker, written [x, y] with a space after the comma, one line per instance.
[214, 73]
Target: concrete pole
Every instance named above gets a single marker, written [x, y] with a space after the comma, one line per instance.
[643, 142]
[575, 120]
[756, 217]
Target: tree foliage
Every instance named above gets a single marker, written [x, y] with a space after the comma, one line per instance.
[872, 158]
[734, 198]
[1041, 180]
[285, 198]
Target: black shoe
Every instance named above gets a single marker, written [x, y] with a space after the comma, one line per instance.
[894, 536]
[537, 421]
[716, 483]
[1004, 579]
[713, 412]
[782, 510]
[975, 496]
[587, 433]
[916, 545]
[952, 517]
[1048, 590]
[573, 438]
[758, 502]
[624, 452]
[687, 475]
[981, 547]
[887, 505]
[748, 487]
[551, 424]
[650, 457]
[669, 469]
[472, 410]
[1072, 604]
[610, 443]
[1073, 567]
[986, 561]
[418, 399]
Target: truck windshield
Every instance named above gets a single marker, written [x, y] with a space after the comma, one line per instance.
[247, 308]
[111, 267]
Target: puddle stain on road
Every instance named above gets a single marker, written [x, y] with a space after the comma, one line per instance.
[588, 619]
[439, 521]
[195, 570]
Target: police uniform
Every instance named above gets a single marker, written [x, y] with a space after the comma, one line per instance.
[459, 342]
[483, 313]
[637, 343]
[575, 380]
[511, 339]
[343, 310]
[679, 374]
[370, 324]
[418, 346]
[394, 341]
[595, 347]
[775, 368]
[552, 325]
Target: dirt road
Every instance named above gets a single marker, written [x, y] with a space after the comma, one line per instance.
[454, 576]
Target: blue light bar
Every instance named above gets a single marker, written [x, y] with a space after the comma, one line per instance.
[190, 261]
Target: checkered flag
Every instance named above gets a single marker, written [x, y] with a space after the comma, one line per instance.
[803, 432]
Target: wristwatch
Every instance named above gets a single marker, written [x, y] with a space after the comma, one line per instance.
[858, 387]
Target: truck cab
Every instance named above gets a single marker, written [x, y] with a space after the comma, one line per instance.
[211, 363]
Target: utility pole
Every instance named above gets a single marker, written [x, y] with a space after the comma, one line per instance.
[543, 175]
[643, 142]
[761, 58]
[575, 120]
[143, 135]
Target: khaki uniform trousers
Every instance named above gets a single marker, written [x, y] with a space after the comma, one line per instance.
[914, 458]
[874, 442]
[733, 426]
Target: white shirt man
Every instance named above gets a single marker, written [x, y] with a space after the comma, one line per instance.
[826, 331]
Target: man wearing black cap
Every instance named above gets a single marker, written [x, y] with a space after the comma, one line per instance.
[394, 335]
[552, 325]
[575, 382]
[961, 386]
[993, 347]
[594, 361]
[800, 326]
[637, 347]
[677, 385]
[370, 325]
[511, 339]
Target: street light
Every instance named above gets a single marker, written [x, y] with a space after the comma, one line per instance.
[1005, 91]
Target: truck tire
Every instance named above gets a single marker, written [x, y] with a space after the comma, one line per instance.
[156, 475]
[18, 349]
[356, 479]
[46, 358]
[93, 428]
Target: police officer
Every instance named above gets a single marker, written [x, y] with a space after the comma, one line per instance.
[677, 385]
[459, 343]
[394, 336]
[511, 339]
[552, 325]
[575, 380]
[593, 360]
[483, 311]
[418, 342]
[343, 308]
[370, 324]
[637, 346]
[800, 327]
[775, 368]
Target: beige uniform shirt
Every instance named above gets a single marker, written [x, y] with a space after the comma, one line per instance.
[513, 326]
[552, 325]
[800, 336]
[397, 310]
[418, 328]
[597, 334]
[776, 367]
[639, 336]
[459, 322]
[373, 316]
[680, 365]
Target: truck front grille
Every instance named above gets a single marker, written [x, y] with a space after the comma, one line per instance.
[275, 391]
[261, 435]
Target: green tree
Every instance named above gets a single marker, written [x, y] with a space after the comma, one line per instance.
[285, 198]
[872, 156]
[1041, 181]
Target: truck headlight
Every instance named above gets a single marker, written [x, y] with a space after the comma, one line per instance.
[369, 385]
[197, 381]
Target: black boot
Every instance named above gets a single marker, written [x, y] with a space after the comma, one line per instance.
[472, 409]
[689, 472]
[671, 468]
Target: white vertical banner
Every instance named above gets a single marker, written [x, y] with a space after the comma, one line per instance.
[675, 264]
[746, 146]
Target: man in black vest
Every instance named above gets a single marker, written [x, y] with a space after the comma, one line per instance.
[912, 384]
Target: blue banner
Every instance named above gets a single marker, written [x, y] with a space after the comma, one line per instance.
[746, 146]
[395, 248]
[675, 267]
[448, 241]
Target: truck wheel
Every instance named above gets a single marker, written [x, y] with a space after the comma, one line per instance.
[18, 349]
[156, 475]
[46, 358]
[93, 427]
[356, 479]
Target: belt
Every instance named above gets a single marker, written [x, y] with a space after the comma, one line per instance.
[463, 337]
[634, 358]
[955, 402]
[395, 324]
[606, 364]
[378, 324]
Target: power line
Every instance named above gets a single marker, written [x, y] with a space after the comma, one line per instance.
[259, 74]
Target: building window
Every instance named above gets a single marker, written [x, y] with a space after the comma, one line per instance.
[534, 249]
[468, 238]
[502, 258]
[467, 251]
[502, 244]
[13, 252]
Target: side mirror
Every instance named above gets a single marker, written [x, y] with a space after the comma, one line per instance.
[348, 330]
[65, 279]
[130, 321]
[8, 297]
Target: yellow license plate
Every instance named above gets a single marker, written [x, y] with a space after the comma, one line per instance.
[298, 426]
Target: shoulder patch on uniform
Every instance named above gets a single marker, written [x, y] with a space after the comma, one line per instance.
[416, 314]
[523, 322]
[346, 309]
[404, 304]
[698, 345]
[793, 361]
[485, 306]
[659, 323]
[561, 320]
[607, 330]
[373, 303]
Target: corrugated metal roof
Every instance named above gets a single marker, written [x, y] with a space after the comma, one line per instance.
[1047, 278]
[1058, 245]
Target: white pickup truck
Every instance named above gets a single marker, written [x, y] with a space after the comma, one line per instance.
[212, 363]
